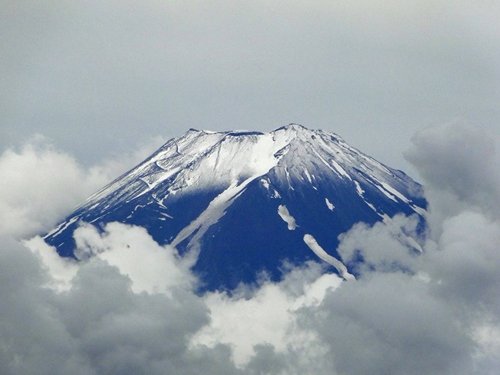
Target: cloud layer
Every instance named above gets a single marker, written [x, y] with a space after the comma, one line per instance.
[426, 304]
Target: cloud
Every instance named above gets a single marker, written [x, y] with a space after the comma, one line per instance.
[267, 315]
[61, 270]
[391, 323]
[397, 320]
[33, 337]
[41, 184]
[466, 260]
[153, 268]
[386, 246]
[99, 326]
[459, 164]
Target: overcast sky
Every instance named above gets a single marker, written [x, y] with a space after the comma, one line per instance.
[100, 77]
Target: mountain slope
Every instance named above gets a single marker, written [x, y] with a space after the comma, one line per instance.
[243, 202]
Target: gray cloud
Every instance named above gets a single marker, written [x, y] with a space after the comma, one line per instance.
[33, 337]
[390, 323]
[96, 77]
[459, 163]
[99, 326]
[386, 246]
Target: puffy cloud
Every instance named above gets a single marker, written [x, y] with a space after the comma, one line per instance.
[459, 163]
[33, 337]
[266, 315]
[396, 321]
[459, 158]
[467, 260]
[153, 268]
[385, 246]
[61, 270]
[392, 323]
[98, 326]
[41, 184]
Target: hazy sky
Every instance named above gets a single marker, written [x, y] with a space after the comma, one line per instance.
[101, 77]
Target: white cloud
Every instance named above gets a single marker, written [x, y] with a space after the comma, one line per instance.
[266, 315]
[61, 270]
[151, 267]
[41, 184]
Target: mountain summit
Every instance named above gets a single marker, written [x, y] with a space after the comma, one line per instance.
[243, 202]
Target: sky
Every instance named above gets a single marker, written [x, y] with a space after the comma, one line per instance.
[89, 88]
[103, 78]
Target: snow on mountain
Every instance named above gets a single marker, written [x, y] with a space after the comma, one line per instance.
[241, 202]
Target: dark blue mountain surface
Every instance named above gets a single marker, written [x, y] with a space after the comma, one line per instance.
[245, 202]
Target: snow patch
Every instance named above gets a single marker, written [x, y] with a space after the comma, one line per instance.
[386, 193]
[329, 204]
[287, 218]
[340, 169]
[359, 190]
[267, 186]
[61, 227]
[154, 180]
[373, 208]
[394, 192]
[306, 172]
[212, 214]
[418, 210]
[264, 183]
[166, 215]
[323, 255]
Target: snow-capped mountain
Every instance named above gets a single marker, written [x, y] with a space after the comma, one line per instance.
[242, 202]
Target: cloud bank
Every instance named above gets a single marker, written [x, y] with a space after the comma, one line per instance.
[421, 305]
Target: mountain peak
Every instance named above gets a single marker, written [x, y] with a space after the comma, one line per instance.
[292, 127]
[240, 202]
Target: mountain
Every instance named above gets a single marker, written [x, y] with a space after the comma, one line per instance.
[242, 202]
